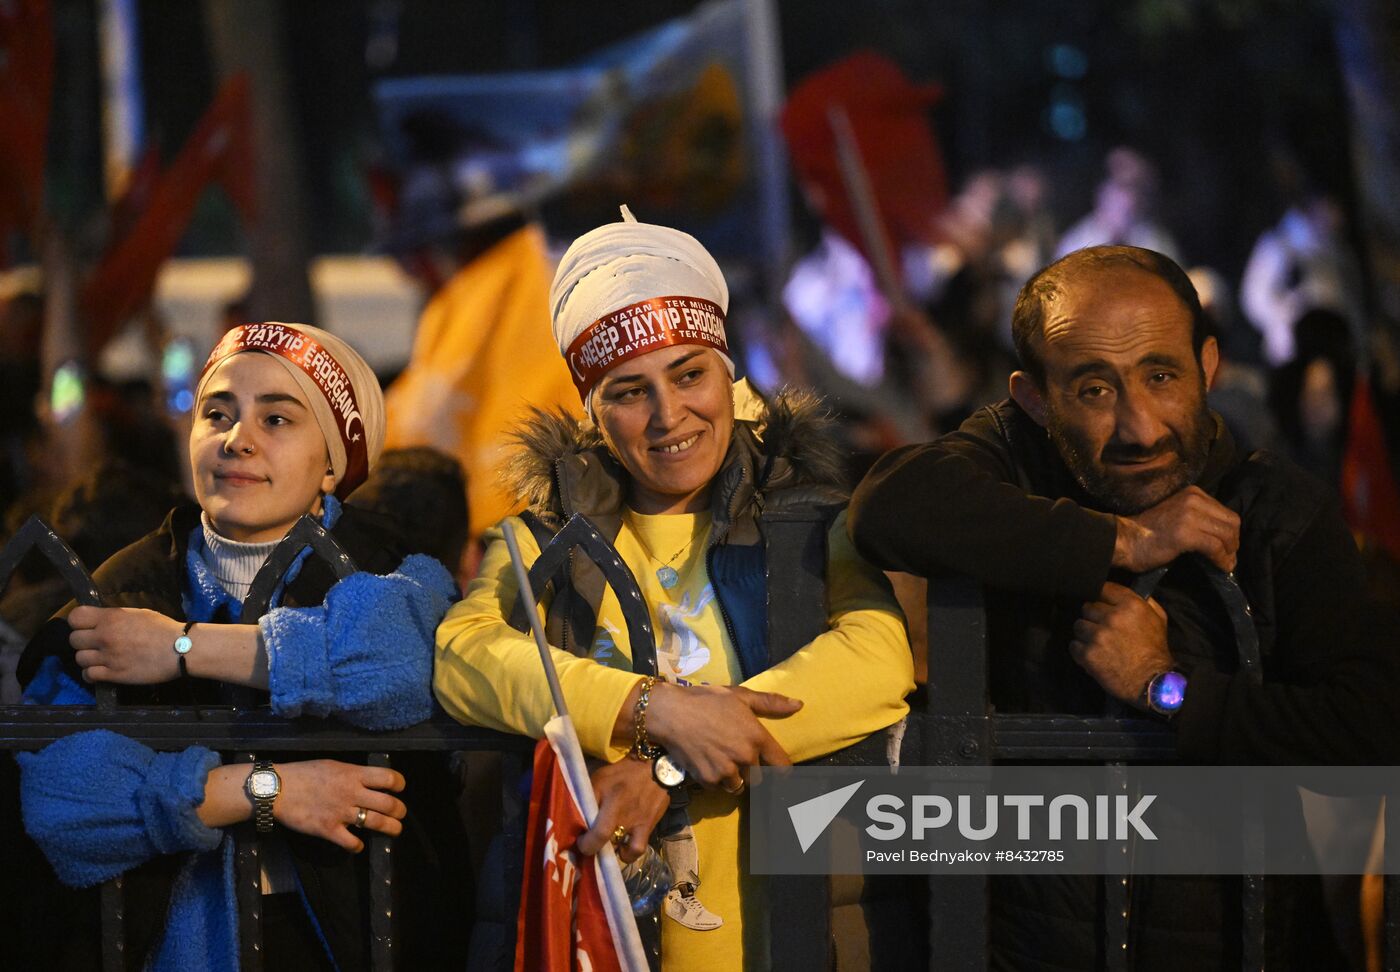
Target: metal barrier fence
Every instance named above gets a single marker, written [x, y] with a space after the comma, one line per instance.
[240, 728]
[960, 727]
[957, 725]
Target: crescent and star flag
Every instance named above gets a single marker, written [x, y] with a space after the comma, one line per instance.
[574, 912]
[563, 924]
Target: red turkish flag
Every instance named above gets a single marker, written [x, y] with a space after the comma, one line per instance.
[562, 926]
[1370, 496]
[122, 283]
[26, 85]
[889, 119]
[140, 187]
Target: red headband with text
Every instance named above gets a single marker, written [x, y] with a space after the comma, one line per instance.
[325, 372]
[640, 328]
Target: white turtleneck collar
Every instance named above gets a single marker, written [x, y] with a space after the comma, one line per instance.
[233, 564]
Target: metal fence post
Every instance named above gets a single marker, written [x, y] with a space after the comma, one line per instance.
[795, 563]
[957, 733]
[383, 913]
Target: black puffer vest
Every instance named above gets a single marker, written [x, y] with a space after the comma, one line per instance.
[774, 499]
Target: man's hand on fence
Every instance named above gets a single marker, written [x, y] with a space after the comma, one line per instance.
[1121, 640]
[629, 798]
[321, 797]
[714, 730]
[1190, 521]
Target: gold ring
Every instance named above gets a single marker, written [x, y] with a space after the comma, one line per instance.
[360, 817]
[620, 836]
[734, 791]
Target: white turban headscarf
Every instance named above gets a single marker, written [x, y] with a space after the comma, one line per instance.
[621, 264]
[356, 420]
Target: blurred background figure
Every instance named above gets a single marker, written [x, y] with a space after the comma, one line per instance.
[425, 492]
[1024, 242]
[1123, 209]
[1303, 263]
[833, 297]
[871, 174]
[1240, 392]
[1310, 395]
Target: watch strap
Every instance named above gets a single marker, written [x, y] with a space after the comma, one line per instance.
[182, 647]
[262, 806]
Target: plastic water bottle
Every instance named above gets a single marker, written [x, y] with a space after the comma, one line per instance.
[648, 879]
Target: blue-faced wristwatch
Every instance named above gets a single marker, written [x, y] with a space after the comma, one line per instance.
[1165, 693]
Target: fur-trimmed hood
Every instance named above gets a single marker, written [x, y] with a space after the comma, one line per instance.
[562, 466]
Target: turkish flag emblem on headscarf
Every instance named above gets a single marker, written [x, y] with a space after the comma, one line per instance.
[562, 926]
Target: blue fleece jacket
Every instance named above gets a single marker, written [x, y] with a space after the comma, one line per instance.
[99, 804]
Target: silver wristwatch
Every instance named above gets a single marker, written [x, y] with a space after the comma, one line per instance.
[262, 788]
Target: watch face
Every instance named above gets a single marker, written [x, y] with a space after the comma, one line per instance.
[264, 783]
[183, 644]
[1167, 692]
[667, 771]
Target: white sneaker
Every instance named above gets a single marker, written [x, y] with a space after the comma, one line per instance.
[684, 907]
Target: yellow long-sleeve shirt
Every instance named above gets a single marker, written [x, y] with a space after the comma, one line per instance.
[852, 680]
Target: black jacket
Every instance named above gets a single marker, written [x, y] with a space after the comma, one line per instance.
[994, 500]
[431, 856]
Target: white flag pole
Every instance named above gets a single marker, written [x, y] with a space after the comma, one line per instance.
[561, 734]
[861, 195]
[763, 62]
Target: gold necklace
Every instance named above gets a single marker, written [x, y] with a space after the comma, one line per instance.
[665, 574]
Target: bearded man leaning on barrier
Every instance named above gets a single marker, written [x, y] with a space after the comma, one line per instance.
[1106, 463]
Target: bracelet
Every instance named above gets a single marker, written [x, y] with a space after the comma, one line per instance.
[182, 647]
[642, 746]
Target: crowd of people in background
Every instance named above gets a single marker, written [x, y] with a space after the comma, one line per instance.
[895, 367]
[898, 360]
[1294, 330]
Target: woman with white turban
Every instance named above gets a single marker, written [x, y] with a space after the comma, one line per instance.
[288, 421]
[675, 469]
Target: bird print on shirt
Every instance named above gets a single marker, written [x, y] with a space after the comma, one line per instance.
[680, 652]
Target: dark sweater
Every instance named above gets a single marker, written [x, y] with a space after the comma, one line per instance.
[993, 500]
